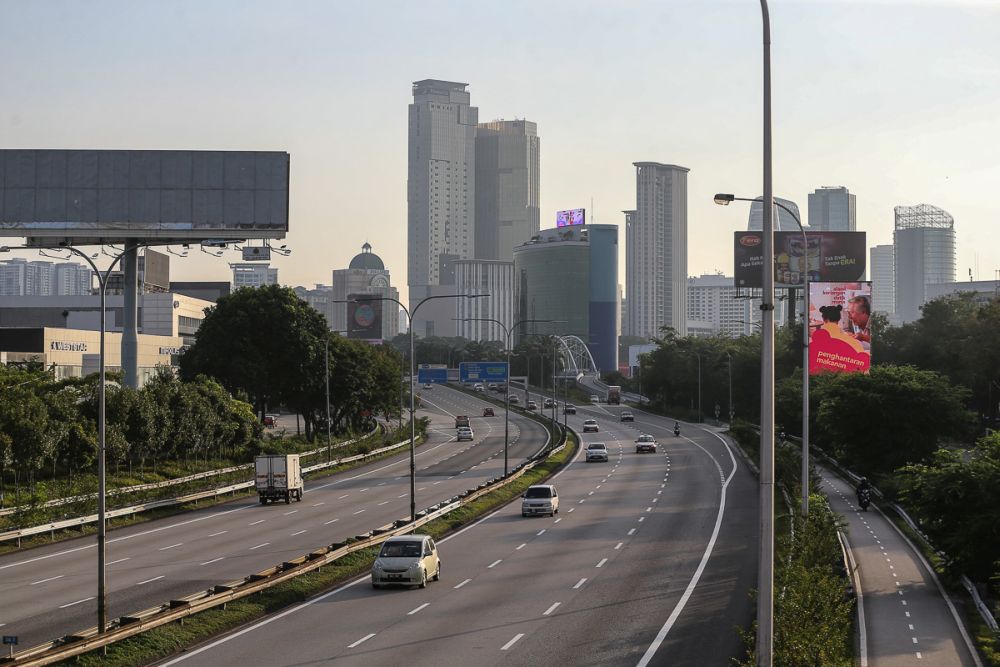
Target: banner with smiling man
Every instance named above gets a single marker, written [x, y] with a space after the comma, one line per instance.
[839, 322]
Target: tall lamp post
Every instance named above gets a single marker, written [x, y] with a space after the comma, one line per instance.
[723, 200]
[507, 333]
[409, 321]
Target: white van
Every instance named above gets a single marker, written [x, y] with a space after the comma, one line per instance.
[540, 499]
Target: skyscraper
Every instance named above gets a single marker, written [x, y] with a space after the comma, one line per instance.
[507, 187]
[883, 274]
[485, 276]
[656, 250]
[441, 199]
[832, 209]
[924, 254]
[784, 220]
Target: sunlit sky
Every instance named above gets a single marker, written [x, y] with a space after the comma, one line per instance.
[896, 100]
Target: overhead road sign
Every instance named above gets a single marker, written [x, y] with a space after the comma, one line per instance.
[432, 375]
[482, 371]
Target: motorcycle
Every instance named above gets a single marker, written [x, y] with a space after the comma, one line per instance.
[864, 498]
[677, 431]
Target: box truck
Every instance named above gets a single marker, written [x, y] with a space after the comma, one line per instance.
[279, 477]
[614, 395]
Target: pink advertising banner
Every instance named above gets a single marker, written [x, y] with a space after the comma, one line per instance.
[839, 325]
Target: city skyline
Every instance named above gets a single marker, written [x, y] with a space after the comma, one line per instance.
[336, 101]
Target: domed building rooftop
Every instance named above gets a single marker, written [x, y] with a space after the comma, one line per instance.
[367, 259]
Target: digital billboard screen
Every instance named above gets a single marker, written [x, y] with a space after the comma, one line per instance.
[574, 216]
[840, 327]
[364, 317]
[831, 256]
[106, 196]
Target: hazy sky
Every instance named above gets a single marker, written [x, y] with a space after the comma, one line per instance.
[898, 101]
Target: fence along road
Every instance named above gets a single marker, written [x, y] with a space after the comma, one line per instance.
[48, 591]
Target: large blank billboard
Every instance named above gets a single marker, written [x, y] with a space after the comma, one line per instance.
[831, 256]
[111, 195]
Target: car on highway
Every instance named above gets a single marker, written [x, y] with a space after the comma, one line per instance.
[590, 425]
[270, 421]
[492, 386]
[597, 451]
[645, 443]
[531, 406]
[407, 560]
[462, 420]
[540, 499]
[464, 433]
[488, 412]
[595, 399]
[569, 409]
[479, 388]
[627, 416]
[428, 385]
[549, 402]
[513, 399]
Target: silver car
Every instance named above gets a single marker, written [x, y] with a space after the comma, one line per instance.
[464, 433]
[407, 560]
[540, 499]
[597, 451]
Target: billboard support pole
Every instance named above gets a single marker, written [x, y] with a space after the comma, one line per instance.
[130, 308]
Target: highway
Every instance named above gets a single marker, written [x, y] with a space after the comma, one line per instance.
[650, 561]
[907, 617]
[50, 591]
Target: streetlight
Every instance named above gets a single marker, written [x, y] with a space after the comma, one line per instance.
[507, 332]
[409, 322]
[723, 200]
[765, 565]
[731, 411]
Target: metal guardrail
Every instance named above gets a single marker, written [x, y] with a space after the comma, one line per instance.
[222, 594]
[135, 488]
[21, 533]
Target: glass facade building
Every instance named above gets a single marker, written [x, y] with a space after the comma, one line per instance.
[570, 274]
[924, 254]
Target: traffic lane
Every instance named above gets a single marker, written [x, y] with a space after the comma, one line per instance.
[490, 581]
[906, 616]
[161, 566]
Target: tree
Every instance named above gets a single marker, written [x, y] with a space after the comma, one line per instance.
[259, 340]
[893, 416]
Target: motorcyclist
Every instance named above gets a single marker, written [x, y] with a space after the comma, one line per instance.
[864, 493]
[677, 428]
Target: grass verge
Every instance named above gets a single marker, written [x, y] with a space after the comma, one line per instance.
[170, 639]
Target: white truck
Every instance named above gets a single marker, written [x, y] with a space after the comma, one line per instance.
[279, 477]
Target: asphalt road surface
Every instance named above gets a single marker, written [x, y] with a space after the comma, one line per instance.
[907, 618]
[649, 561]
[50, 591]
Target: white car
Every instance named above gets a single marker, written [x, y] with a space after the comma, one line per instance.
[540, 499]
[590, 425]
[407, 560]
[645, 443]
[479, 388]
[464, 433]
[597, 451]
[594, 398]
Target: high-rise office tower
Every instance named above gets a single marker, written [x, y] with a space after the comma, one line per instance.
[485, 276]
[656, 250]
[832, 209]
[507, 187]
[883, 275]
[441, 197]
[924, 241]
[784, 221]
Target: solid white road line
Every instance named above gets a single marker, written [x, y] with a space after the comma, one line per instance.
[459, 585]
[214, 560]
[259, 546]
[512, 641]
[362, 640]
[147, 581]
[120, 560]
[42, 581]
[551, 609]
[411, 613]
[63, 606]
[179, 544]
[580, 583]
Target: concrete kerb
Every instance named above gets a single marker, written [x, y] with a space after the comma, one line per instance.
[221, 594]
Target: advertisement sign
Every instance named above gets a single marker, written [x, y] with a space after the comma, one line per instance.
[364, 317]
[432, 375]
[840, 327]
[107, 196]
[574, 216]
[830, 257]
[483, 371]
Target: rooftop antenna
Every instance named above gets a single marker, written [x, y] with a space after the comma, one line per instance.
[593, 213]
